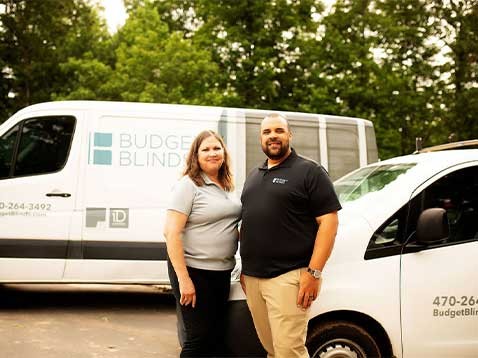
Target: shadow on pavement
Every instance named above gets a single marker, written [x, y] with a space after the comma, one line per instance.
[87, 297]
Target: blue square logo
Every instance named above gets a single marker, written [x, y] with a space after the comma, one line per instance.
[99, 144]
[103, 140]
[102, 157]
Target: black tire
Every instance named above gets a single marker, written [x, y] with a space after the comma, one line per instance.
[341, 339]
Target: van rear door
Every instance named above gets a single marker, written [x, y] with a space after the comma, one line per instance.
[38, 171]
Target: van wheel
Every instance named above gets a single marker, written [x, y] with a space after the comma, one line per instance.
[341, 339]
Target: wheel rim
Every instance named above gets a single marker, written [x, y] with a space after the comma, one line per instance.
[339, 348]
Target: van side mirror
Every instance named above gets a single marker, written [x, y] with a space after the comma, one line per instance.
[432, 226]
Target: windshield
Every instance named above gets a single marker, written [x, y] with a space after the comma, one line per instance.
[367, 180]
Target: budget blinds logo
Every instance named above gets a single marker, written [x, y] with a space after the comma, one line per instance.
[100, 148]
[279, 181]
[147, 150]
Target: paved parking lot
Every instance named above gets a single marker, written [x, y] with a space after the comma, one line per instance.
[78, 321]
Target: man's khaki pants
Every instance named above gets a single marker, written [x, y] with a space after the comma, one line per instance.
[280, 324]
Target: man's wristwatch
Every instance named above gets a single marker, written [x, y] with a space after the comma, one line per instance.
[315, 273]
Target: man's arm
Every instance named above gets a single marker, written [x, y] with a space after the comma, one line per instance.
[324, 242]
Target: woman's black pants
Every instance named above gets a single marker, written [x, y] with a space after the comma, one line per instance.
[205, 325]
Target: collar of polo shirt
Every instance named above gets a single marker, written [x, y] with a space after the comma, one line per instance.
[207, 180]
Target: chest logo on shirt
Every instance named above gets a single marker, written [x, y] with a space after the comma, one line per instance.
[279, 181]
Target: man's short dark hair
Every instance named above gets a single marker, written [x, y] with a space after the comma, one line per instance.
[279, 115]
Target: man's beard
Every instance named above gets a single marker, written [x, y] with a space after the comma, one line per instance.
[284, 147]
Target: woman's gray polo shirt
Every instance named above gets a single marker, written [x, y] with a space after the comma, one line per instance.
[210, 236]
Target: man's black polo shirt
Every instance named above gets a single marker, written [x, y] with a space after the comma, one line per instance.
[279, 207]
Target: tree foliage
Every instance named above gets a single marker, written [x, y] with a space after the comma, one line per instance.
[459, 33]
[151, 64]
[261, 47]
[410, 66]
[36, 37]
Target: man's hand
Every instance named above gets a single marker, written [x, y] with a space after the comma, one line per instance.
[309, 288]
[243, 283]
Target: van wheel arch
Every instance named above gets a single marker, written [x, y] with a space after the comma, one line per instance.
[347, 330]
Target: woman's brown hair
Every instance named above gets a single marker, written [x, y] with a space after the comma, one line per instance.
[193, 170]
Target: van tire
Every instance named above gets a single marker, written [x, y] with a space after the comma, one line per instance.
[341, 339]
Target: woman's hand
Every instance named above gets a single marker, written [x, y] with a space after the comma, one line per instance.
[188, 291]
[173, 228]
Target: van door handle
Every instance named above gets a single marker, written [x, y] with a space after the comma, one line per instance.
[62, 195]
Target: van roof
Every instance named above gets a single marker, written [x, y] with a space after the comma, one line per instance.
[154, 107]
[436, 159]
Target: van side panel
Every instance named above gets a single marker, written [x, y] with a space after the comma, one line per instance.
[132, 162]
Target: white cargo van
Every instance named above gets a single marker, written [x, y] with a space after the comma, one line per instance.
[402, 278]
[84, 185]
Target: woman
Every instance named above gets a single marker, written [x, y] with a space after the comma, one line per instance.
[201, 236]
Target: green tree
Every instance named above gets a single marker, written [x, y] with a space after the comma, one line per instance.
[344, 73]
[36, 37]
[376, 60]
[258, 46]
[459, 33]
[151, 64]
[155, 65]
[410, 100]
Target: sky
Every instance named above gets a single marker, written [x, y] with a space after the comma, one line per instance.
[115, 13]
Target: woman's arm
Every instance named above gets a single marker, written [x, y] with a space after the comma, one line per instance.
[174, 226]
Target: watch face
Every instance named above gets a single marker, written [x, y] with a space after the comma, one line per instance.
[314, 273]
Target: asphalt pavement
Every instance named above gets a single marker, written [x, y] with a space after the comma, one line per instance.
[87, 321]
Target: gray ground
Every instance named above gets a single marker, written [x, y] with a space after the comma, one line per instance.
[93, 321]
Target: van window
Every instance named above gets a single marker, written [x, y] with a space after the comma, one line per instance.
[343, 148]
[305, 138]
[7, 147]
[456, 192]
[389, 238]
[44, 145]
[254, 154]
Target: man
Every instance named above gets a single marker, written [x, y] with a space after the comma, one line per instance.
[289, 223]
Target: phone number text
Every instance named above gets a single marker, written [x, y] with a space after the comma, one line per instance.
[24, 206]
[455, 301]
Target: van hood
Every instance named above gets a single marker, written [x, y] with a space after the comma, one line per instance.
[353, 234]
[370, 211]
